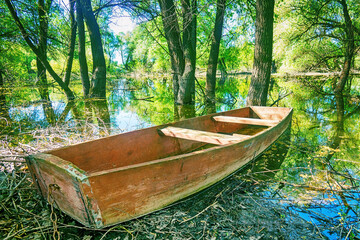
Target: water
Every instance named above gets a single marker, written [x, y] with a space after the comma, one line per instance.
[316, 177]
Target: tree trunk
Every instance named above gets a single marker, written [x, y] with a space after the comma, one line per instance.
[173, 38]
[46, 64]
[42, 47]
[182, 54]
[4, 109]
[70, 57]
[185, 111]
[98, 80]
[187, 79]
[1, 78]
[43, 11]
[350, 49]
[214, 51]
[2, 91]
[222, 68]
[260, 77]
[101, 112]
[84, 71]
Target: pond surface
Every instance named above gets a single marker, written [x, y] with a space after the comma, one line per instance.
[305, 185]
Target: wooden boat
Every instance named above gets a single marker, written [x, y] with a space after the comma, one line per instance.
[114, 179]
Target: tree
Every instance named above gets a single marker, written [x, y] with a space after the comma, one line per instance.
[38, 50]
[214, 50]
[261, 73]
[349, 43]
[182, 53]
[70, 56]
[325, 37]
[43, 13]
[98, 80]
[126, 48]
[84, 72]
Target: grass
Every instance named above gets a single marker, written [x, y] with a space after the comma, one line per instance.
[251, 204]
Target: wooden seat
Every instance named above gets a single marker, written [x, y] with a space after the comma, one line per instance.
[242, 120]
[202, 136]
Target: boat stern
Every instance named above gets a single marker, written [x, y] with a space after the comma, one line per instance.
[62, 182]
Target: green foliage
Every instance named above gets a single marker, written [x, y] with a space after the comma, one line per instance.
[311, 35]
[149, 47]
[316, 178]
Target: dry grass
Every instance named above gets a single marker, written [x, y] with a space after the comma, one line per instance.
[249, 205]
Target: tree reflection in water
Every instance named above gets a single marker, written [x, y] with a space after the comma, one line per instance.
[309, 187]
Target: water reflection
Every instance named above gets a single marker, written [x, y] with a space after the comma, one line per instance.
[101, 113]
[268, 163]
[182, 112]
[46, 104]
[338, 203]
[4, 110]
[210, 107]
[317, 177]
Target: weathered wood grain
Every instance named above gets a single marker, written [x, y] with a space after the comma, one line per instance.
[241, 120]
[202, 136]
[118, 178]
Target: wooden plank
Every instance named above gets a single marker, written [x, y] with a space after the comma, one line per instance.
[252, 121]
[202, 136]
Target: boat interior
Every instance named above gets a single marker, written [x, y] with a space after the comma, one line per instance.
[172, 139]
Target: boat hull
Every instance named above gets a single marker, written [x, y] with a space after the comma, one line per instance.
[103, 198]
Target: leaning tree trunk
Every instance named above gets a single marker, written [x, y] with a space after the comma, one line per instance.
[98, 80]
[349, 51]
[260, 77]
[39, 55]
[214, 51]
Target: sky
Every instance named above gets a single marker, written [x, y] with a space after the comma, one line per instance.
[122, 24]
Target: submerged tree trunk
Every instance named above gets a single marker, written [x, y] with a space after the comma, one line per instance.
[187, 80]
[84, 71]
[173, 38]
[182, 54]
[349, 51]
[2, 91]
[98, 80]
[222, 68]
[101, 112]
[70, 57]
[214, 51]
[260, 77]
[184, 111]
[4, 109]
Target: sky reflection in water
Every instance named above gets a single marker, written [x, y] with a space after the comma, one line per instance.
[325, 129]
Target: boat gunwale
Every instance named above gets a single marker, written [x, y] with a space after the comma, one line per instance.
[185, 155]
[141, 129]
[65, 164]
